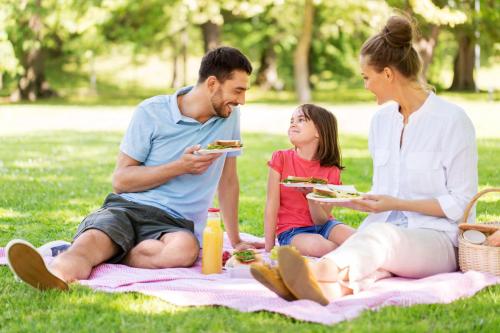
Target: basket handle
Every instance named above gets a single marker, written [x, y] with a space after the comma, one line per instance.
[474, 199]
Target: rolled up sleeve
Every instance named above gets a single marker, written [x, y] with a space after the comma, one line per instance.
[461, 172]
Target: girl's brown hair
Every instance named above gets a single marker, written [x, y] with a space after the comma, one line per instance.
[392, 47]
[328, 152]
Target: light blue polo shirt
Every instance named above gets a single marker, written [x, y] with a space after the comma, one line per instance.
[158, 134]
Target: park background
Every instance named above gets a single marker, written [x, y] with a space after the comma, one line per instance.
[72, 71]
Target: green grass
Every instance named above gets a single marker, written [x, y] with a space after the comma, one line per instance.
[50, 181]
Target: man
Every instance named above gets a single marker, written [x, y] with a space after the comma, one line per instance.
[162, 188]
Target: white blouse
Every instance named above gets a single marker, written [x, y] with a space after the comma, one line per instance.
[437, 159]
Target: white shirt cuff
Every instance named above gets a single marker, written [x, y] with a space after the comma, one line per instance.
[450, 207]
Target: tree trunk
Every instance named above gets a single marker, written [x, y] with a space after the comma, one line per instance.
[173, 83]
[426, 47]
[267, 76]
[185, 41]
[301, 55]
[211, 35]
[32, 85]
[463, 67]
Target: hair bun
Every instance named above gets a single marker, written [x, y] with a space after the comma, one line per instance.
[398, 32]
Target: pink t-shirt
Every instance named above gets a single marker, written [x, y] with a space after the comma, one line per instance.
[294, 210]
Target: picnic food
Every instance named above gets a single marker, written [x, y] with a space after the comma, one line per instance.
[224, 144]
[490, 231]
[486, 228]
[311, 180]
[334, 193]
[494, 239]
[244, 257]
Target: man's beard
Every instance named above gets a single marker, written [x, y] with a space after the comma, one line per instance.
[218, 104]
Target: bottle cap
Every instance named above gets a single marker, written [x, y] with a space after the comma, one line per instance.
[213, 210]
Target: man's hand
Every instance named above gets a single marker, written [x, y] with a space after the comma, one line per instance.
[196, 164]
[375, 203]
[248, 245]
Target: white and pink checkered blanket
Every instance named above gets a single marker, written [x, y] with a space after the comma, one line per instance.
[189, 287]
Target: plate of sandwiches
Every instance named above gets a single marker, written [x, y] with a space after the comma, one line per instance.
[334, 193]
[221, 146]
[294, 181]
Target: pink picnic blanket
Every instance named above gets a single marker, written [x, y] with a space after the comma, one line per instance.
[188, 287]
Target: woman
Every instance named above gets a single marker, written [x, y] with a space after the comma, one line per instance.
[425, 172]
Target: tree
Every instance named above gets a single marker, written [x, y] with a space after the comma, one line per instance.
[37, 29]
[210, 16]
[9, 64]
[30, 52]
[301, 55]
[431, 17]
[481, 29]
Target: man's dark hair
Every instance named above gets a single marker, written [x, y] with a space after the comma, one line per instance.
[221, 62]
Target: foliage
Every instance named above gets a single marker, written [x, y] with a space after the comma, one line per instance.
[74, 32]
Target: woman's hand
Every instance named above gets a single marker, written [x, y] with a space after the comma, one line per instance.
[373, 203]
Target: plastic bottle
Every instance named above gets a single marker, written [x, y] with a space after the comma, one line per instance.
[211, 262]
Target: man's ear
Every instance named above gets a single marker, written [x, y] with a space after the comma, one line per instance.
[388, 74]
[211, 83]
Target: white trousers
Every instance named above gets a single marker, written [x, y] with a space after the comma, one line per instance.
[382, 249]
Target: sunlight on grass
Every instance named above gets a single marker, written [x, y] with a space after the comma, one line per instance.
[10, 213]
[150, 306]
[355, 153]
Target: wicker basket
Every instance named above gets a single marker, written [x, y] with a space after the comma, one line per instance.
[473, 257]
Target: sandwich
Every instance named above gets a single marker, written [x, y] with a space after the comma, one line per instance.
[310, 180]
[243, 258]
[224, 144]
[325, 192]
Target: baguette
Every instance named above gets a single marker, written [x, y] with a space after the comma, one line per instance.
[485, 228]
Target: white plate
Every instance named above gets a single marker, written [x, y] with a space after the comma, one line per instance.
[216, 151]
[308, 185]
[346, 188]
[313, 196]
[240, 272]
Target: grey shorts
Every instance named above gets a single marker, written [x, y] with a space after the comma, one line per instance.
[128, 223]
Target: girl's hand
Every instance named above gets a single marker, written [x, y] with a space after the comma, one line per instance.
[269, 245]
[248, 245]
[373, 203]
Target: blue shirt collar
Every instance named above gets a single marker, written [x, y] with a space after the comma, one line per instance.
[176, 112]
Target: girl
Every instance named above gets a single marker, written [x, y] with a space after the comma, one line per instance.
[306, 225]
[424, 174]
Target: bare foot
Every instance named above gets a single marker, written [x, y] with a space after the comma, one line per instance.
[334, 290]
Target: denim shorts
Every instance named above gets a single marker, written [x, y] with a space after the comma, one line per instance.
[285, 238]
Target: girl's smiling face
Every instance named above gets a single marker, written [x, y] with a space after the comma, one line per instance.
[301, 130]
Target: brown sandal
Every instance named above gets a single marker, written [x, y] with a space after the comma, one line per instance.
[270, 278]
[297, 276]
[28, 265]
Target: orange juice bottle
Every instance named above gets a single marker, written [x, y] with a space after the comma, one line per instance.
[211, 261]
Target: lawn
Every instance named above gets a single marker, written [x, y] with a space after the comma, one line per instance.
[50, 181]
